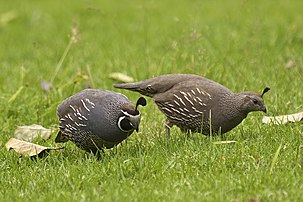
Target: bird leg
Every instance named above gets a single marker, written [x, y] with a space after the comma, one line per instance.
[168, 125]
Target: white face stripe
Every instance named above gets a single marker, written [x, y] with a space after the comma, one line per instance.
[133, 119]
[129, 115]
[119, 124]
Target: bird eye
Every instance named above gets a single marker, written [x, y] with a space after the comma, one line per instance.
[255, 101]
[149, 88]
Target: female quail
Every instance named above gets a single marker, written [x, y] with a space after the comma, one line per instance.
[194, 103]
[97, 119]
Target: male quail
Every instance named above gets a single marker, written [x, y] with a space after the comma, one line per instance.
[194, 103]
[97, 119]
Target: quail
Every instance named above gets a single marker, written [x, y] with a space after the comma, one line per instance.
[97, 119]
[197, 104]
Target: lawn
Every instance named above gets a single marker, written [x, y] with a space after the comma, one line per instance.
[244, 45]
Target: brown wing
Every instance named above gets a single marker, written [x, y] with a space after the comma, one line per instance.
[186, 105]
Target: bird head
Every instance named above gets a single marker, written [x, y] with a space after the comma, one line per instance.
[130, 117]
[251, 101]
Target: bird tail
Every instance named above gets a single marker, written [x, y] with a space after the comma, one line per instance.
[61, 137]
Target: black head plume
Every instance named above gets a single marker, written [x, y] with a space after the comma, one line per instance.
[141, 101]
[265, 91]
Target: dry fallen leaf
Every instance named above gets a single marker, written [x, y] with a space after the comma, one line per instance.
[26, 148]
[283, 119]
[121, 77]
[254, 199]
[31, 132]
[290, 64]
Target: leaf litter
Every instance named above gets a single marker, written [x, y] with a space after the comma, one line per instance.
[22, 144]
[283, 119]
[29, 133]
[27, 148]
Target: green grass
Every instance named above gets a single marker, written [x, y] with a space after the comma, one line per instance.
[244, 45]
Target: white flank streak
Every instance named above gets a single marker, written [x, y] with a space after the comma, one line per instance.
[80, 124]
[83, 103]
[189, 100]
[76, 123]
[72, 108]
[176, 118]
[171, 105]
[202, 104]
[186, 109]
[203, 93]
[62, 119]
[193, 92]
[197, 110]
[182, 102]
[70, 117]
[87, 100]
[183, 93]
[176, 96]
[185, 115]
[198, 90]
[194, 99]
[177, 103]
[199, 99]
[73, 128]
[166, 109]
[66, 116]
[181, 109]
[175, 110]
[179, 99]
[208, 95]
[79, 116]
[189, 94]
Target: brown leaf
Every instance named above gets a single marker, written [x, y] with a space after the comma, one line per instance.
[283, 119]
[254, 199]
[290, 64]
[121, 77]
[31, 132]
[26, 148]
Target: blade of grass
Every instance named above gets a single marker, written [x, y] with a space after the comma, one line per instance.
[15, 95]
[73, 39]
[275, 159]
[91, 82]
[59, 65]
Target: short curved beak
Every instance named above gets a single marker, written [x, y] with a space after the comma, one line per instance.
[135, 122]
[264, 109]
